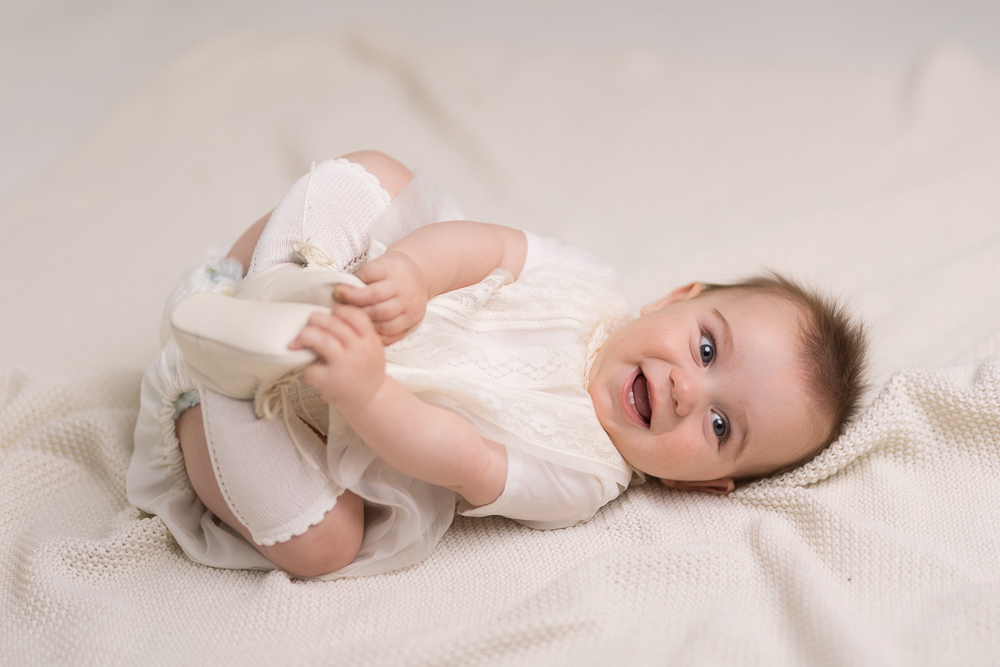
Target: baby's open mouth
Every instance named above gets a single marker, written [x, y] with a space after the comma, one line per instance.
[638, 395]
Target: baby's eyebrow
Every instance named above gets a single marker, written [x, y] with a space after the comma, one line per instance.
[727, 333]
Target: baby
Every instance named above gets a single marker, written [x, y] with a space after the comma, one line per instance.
[473, 364]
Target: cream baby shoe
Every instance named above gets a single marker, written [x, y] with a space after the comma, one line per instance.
[236, 346]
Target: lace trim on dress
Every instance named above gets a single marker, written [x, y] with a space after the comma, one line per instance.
[538, 299]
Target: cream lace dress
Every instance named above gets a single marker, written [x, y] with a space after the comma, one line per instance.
[511, 357]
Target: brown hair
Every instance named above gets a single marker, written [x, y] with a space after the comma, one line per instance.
[835, 350]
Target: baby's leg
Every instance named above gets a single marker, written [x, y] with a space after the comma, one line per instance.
[334, 541]
[338, 220]
[325, 547]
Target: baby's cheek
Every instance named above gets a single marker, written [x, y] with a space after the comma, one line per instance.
[690, 442]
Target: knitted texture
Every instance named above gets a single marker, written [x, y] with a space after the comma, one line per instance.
[848, 560]
[267, 483]
[331, 208]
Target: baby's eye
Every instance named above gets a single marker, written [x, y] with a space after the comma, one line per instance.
[707, 349]
[719, 426]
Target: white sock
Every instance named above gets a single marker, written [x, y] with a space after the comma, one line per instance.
[331, 208]
[272, 488]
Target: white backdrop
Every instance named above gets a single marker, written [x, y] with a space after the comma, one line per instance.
[65, 63]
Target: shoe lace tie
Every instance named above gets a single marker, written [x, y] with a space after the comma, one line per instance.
[272, 401]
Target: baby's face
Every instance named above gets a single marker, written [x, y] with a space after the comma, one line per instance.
[704, 388]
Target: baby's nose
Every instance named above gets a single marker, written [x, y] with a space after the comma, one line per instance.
[683, 392]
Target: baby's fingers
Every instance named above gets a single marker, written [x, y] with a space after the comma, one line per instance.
[322, 329]
[364, 296]
[355, 318]
[325, 343]
[384, 310]
[394, 328]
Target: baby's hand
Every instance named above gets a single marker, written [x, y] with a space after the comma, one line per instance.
[395, 297]
[351, 365]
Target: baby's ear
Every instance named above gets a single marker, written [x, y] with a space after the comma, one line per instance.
[683, 293]
[717, 486]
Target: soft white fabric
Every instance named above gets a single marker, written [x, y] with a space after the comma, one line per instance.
[154, 477]
[546, 496]
[513, 360]
[538, 493]
[879, 184]
[275, 490]
[331, 207]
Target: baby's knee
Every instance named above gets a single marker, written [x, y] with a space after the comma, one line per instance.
[326, 547]
[391, 173]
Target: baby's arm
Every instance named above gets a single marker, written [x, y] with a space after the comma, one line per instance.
[417, 438]
[433, 259]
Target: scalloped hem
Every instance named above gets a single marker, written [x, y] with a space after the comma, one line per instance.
[300, 525]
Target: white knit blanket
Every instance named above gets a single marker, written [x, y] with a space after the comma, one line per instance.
[883, 185]
[885, 550]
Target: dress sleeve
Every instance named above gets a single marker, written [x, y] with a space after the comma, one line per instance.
[544, 252]
[545, 495]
